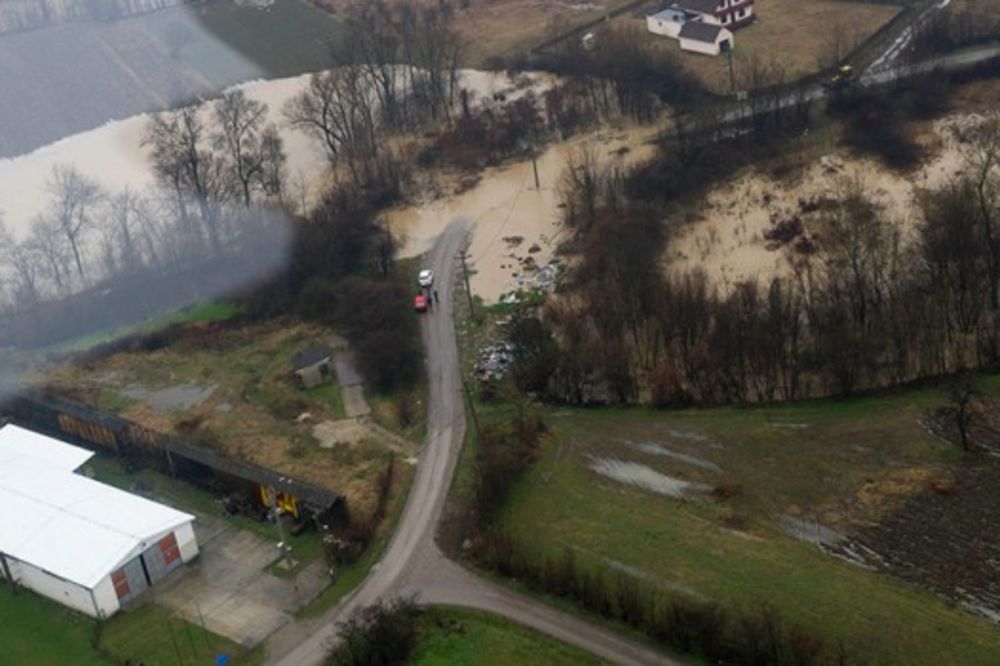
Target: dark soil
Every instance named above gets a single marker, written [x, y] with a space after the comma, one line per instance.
[948, 537]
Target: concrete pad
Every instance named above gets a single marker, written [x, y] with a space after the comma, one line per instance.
[229, 589]
[355, 404]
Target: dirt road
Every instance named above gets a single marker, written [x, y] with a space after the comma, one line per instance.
[413, 563]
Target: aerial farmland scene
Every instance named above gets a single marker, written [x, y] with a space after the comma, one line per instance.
[499, 332]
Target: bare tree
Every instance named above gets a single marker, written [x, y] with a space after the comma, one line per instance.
[272, 175]
[983, 159]
[181, 160]
[119, 243]
[339, 108]
[240, 120]
[73, 196]
[963, 400]
[374, 41]
[49, 244]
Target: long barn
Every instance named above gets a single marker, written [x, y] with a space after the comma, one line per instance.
[89, 546]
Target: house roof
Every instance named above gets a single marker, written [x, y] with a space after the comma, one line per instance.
[311, 356]
[700, 6]
[18, 444]
[669, 14]
[700, 32]
[67, 524]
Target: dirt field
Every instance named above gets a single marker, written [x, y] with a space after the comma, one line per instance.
[803, 509]
[233, 389]
[796, 34]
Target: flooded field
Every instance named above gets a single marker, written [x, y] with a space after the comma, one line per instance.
[114, 156]
[515, 226]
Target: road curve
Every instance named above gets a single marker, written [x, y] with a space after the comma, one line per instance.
[413, 564]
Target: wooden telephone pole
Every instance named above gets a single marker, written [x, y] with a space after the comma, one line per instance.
[468, 289]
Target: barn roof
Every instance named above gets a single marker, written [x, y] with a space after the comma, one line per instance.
[69, 525]
[700, 6]
[669, 14]
[700, 32]
[311, 356]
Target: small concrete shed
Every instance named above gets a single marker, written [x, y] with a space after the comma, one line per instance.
[313, 366]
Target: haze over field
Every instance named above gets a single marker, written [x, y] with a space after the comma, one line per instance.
[65, 79]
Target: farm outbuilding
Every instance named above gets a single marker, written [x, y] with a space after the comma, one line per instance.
[87, 545]
[313, 366]
[705, 38]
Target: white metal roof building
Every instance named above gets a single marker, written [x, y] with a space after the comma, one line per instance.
[85, 544]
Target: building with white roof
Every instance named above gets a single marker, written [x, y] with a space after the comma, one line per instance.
[80, 542]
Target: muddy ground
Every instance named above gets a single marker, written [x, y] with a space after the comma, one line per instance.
[946, 537]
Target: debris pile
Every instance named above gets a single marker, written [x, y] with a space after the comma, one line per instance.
[494, 361]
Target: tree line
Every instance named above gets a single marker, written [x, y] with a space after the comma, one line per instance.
[867, 304]
[221, 175]
[691, 626]
[223, 200]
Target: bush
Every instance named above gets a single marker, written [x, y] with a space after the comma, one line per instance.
[384, 633]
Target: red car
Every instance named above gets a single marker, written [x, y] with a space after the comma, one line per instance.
[420, 303]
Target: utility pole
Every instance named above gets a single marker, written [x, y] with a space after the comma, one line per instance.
[283, 545]
[732, 75]
[534, 166]
[468, 289]
[472, 407]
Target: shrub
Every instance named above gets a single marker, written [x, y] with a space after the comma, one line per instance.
[384, 633]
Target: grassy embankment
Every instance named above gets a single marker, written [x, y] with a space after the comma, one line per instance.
[838, 462]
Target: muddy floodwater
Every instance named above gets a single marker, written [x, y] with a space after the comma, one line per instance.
[515, 226]
[114, 156]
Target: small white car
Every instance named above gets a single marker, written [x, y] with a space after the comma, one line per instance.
[426, 278]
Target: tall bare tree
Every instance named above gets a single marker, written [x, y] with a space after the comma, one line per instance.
[240, 121]
[49, 244]
[73, 197]
[181, 160]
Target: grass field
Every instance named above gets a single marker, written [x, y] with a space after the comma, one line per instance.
[454, 637]
[40, 632]
[839, 464]
[796, 34]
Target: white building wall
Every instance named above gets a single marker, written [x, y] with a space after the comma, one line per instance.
[700, 47]
[661, 27]
[59, 590]
[187, 542]
[106, 597]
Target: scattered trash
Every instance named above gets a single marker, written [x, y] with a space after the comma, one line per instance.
[494, 361]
